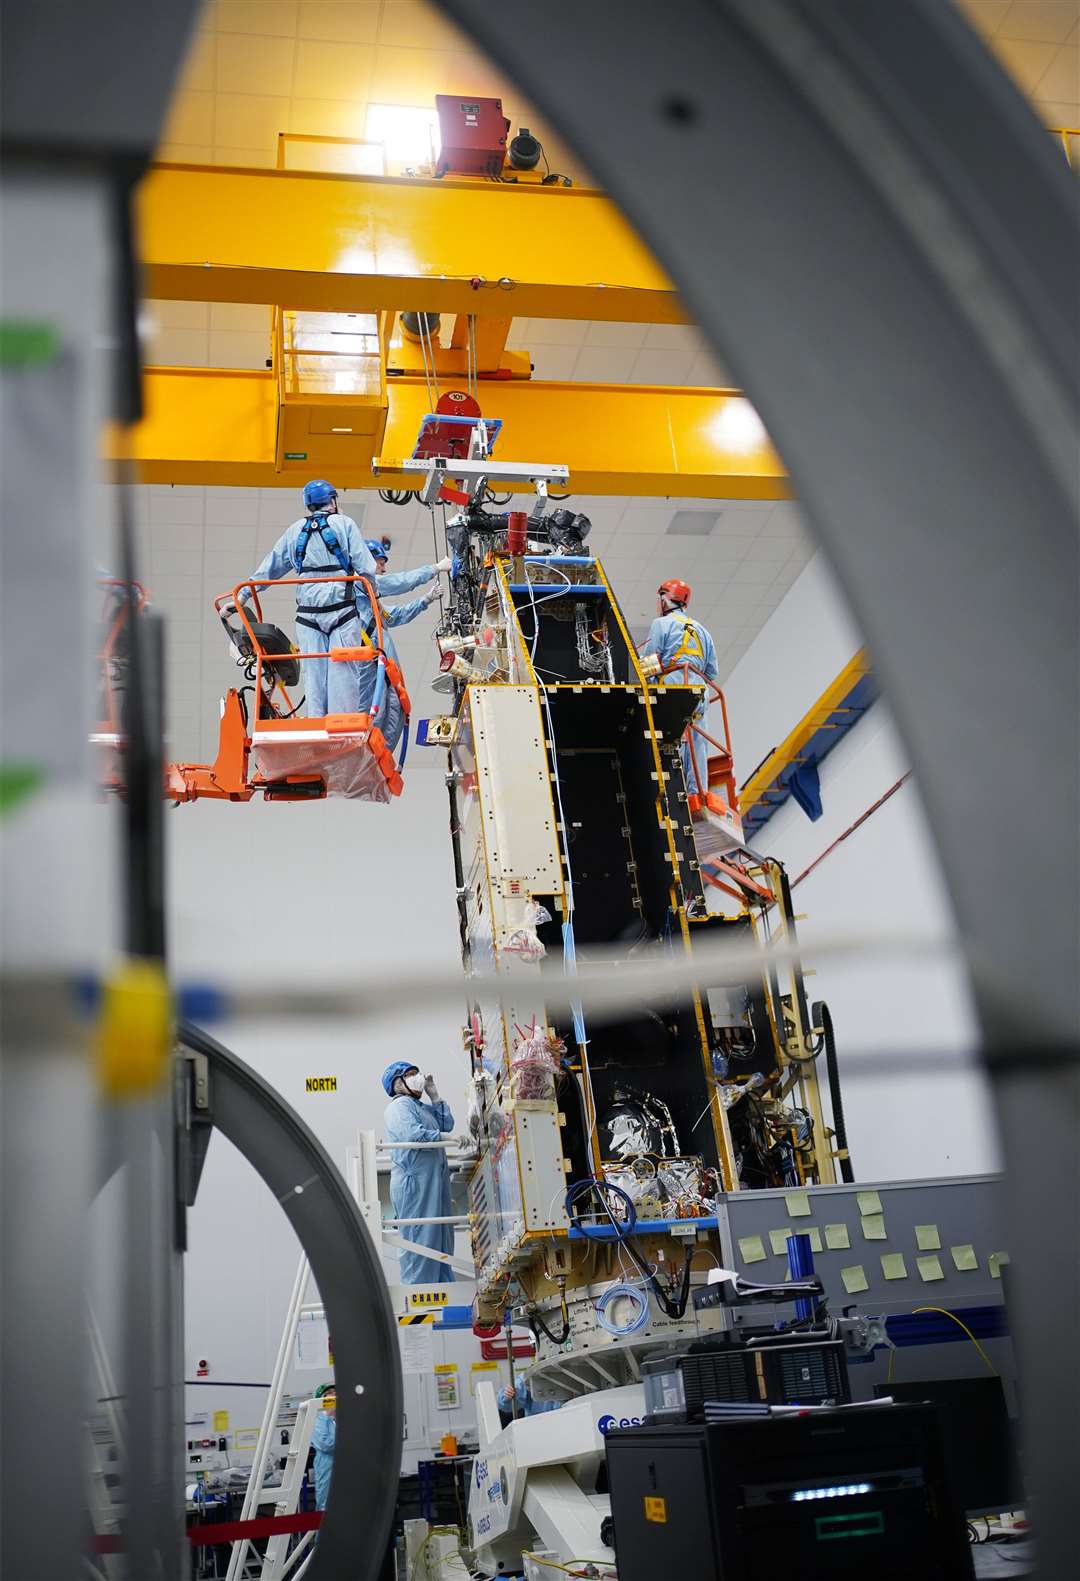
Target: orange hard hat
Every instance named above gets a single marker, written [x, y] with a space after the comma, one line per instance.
[675, 591]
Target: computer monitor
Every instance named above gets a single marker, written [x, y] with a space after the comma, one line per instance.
[977, 1440]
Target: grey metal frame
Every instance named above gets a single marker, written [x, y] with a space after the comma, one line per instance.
[883, 245]
[356, 1526]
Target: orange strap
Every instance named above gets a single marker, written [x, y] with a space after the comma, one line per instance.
[353, 655]
[397, 681]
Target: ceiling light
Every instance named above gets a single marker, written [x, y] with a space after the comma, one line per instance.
[409, 133]
[738, 428]
[693, 524]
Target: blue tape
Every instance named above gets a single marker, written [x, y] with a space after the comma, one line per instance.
[604, 1232]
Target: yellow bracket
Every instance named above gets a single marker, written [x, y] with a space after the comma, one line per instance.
[134, 1032]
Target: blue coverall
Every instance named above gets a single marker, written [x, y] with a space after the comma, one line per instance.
[677, 640]
[339, 613]
[394, 615]
[323, 1439]
[527, 1406]
[420, 1185]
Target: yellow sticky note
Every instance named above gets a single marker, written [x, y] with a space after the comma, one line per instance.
[964, 1258]
[778, 1240]
[927, 1238]
[854, 1278]
[893, 1265]
[873, 1227]
[798, 1204]
[930, 1268]
[997, 1261]
[837, 1238]
[869, 1202]
[752, 1249]
[815, 1239]
[221, 1421]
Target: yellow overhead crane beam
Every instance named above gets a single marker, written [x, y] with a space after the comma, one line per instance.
[226, 427]
[360, 244]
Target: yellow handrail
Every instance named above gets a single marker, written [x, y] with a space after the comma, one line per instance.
[1065, 132]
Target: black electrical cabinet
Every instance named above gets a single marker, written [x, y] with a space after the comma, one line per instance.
[854, 1492]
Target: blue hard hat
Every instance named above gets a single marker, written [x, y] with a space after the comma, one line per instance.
[379, 550]
[392, 1072]
[318, 492]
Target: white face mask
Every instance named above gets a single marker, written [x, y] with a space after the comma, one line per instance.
[415, 1083]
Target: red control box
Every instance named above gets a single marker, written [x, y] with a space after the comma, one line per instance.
[473, 133]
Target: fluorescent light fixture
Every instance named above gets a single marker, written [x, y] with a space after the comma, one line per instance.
[738, 428]
[693, 524]
[409, 133]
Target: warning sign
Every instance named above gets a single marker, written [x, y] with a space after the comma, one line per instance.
[320, 1084]
[656, 1510]
[429, 1298]
[480, 1367]
[447, 1393]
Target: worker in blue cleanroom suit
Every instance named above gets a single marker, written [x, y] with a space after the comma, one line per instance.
[420, 1176]
[326, 543]
[686, 652]
[397, 615]
[526, 1405]
[323, 1441]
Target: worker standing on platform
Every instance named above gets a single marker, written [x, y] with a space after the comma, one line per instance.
[323, 1442]
[396, 615]
[686, 653]
[402, 614]
[419, 1176]
[325, 543]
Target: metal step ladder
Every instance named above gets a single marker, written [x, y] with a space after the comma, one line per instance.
[278, 1561]
[104, 1514]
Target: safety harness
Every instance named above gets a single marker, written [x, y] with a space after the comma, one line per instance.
[346, 607]
[691, 645]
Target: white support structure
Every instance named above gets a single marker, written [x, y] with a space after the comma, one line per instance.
[362, 1173]
[535, 1477]
[474, 474]
[458, 1264]
[279, 1561]
[104, 1514]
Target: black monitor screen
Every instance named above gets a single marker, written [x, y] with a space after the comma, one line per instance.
[976, 1439]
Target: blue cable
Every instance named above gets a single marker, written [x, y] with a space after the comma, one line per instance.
[380, 687]
[632, 1293]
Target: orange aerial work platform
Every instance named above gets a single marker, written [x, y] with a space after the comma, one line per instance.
[264, 745]
[714, 807]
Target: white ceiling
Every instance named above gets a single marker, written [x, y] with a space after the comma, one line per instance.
[197, 542]
[1038, 43]
[235, 335]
